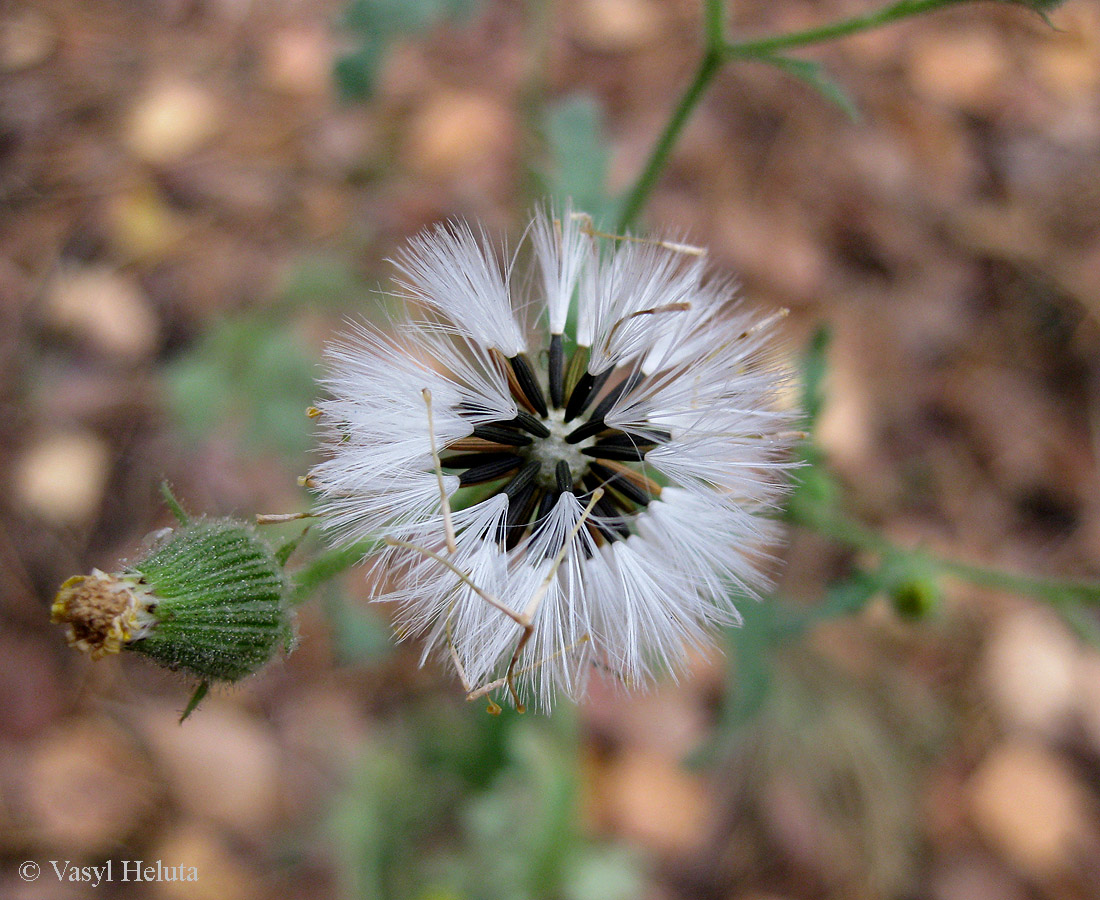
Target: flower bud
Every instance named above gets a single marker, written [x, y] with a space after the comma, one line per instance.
[916, 598]
[209, 599]
[912, 582]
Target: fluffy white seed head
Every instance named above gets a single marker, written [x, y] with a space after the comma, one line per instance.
[668, 404]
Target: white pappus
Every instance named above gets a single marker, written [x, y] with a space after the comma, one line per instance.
[608, 431]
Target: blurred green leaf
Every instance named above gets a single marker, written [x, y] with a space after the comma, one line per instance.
[749, 676]
[463, 742]
[577, 156]
[375, 25]
[355, 72]
[250, 376]
[848, 596]
[499, 820]
[815, 489]
[360, 635]
[754, 647]
[813, 74]
[328, 564]
[328, 283]
[606, 873]
[815, 365]
[390, 805]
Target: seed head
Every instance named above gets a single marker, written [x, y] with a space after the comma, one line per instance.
[606, 429]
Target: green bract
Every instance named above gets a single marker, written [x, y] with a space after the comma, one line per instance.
[221, 608]
[209, 599]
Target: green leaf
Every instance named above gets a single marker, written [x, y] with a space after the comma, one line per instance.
[251, 376]
[328, 565]
[174, 506]
[284, 551]
[360, 635]
[813, 74]
[375, 24]
[576, 156]
[201, 690]
[814, 368]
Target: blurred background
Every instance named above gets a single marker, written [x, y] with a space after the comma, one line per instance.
[195, 193]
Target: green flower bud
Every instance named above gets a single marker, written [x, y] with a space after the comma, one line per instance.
[912, 582]
[916, 598]
[209, 599]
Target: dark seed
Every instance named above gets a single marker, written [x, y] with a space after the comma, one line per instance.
[623, 453]
[623, 439]
[528, 423]
[498, 434]
[614, 501]
[491, 466]
[589, 428]
[575, 368]
[519, 515]
[548, 502]
[556, 364]
[525, 377]
[523, 479]
[469, 460]
[563, 476]
[613, 529]
[588, 386]
[623, 387]
[516, 507]
[653, 435]
[621, 483]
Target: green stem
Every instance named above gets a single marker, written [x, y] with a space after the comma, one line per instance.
[1055, 591]
[718, 51]
[326, 566]
[769, 46]
[714, 20]
[1052, 590]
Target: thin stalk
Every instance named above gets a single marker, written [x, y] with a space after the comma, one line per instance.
[1055, 591]
[1052, 590]
[714, 16]
[639, 194]
[718, 51]
[893, 12]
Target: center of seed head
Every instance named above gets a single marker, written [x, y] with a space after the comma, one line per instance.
[561, 446]
[549, 451]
